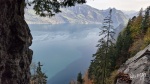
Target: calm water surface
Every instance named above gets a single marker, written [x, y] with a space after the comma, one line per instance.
[63, 50]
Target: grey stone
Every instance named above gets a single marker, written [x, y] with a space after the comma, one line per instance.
[138, 67]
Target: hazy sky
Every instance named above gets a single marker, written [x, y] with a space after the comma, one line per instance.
[119, 4]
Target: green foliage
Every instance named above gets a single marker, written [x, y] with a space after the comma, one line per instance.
[146, 20]
[79, 78]
[42, 78]
[112, 77]
[98, 65]
[123, 44]
[135, 26]
[39, 77]
[147, 38]
[132, 39]
[51, 7]
[140, 38]
[101, 65]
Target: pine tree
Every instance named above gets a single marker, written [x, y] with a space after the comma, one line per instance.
[123, 44]
[108, 32]
[39, 77]
[42, 78]
[79, 78]
[146, 20]
[100, 66]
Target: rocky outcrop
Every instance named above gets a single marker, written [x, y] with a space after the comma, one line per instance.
[15, 39]
[137, 67]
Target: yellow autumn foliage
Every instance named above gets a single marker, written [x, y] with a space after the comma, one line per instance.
[135, 27]
[147, 38]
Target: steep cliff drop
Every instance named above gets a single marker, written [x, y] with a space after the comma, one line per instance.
[137, 67]
[15, 39]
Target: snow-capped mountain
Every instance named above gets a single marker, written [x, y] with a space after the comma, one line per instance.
[80, 14]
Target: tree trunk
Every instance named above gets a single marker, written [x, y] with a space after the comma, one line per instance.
[15, 39]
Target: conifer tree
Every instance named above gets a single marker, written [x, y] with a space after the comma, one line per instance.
[136, 23]
[100, 66]
[79, 78]
[41, 77]
[146, 20]
[38, 77]
[108, 32]
[123, 44]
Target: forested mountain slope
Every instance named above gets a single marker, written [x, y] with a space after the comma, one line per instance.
[134, 37]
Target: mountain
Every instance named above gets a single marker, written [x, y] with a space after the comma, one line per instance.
[131, 13]
[118, 30]
[80, 14]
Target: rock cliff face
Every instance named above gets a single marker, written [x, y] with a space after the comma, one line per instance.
[15, 39]
[137, 67]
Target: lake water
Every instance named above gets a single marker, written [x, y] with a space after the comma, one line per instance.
[64, 50]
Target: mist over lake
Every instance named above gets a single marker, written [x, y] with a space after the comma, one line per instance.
[64, 50]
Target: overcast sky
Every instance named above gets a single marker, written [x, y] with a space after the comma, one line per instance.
[125, 5]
